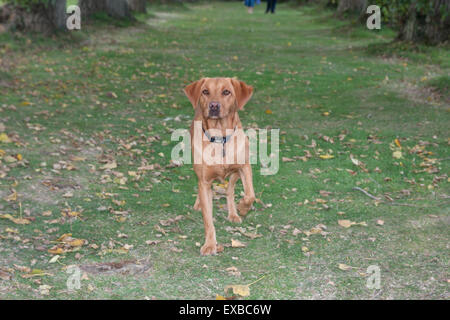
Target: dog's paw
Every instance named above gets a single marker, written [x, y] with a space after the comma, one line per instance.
[243, 208]
[234, 218]
[208, 249]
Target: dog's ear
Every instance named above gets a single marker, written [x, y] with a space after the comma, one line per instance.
[243, 92]
[192, 91]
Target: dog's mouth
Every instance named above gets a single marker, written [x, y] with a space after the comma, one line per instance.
[213, 114]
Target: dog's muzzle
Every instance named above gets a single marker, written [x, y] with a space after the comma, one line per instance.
[214, 109]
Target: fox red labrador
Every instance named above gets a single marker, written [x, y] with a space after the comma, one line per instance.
[220, 148]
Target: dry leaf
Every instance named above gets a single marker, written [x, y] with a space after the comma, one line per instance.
[345, 223]
[242, 290]
[109, 165]
[344, 267]
[4, 138]
[237, 244]
[15, 220]
[397, 154]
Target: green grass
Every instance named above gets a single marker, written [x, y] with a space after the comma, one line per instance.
[320, 82]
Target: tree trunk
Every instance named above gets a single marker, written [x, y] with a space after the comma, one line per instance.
[437, 29]
[118, 9]
[90, 7]
[57, 13]
[430, 27]
[35, 18]
[114, 8]
[138, 5]
[352, 6]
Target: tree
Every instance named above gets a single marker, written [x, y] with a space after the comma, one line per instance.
[57, 13]
[425, 22]
[114, 8]
[44, 16]
[352, 6]
[138, 5]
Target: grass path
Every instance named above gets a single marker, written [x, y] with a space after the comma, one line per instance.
[87, 120]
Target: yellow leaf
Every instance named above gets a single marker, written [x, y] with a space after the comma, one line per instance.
[56, 251]
[219, 297]
[237, 244]
[64, 236]
[242, 290]
[76, 243]
[15, 220]
[11, 197]
[397, 154]
[344, 267]
[326, 156]
[345, 223]
[268, 111]
[4, 138]
[109, 165]
[397, 142]
[73, 213]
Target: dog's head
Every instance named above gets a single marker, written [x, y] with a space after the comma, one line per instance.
[218, 97]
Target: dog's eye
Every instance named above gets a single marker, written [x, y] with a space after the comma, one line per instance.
[205, 92]
[226, 92]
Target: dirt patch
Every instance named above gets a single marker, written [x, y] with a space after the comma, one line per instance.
[162, 17]
[419, 94]
[127, 267]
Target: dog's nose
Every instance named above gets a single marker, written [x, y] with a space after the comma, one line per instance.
[214, 106]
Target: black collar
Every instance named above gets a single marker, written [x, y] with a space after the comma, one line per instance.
[219, 139]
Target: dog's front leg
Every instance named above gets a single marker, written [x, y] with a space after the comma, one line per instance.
[247, 181]
[205, 195]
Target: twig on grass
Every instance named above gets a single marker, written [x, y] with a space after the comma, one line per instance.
[366, 193]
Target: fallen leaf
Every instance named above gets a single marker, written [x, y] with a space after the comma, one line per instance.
[4, 138]
[15, 220]
[345, 223]
[237, 244]
[109, 165]
[242, 290]
[344, 267]
[397, 154]
[233, 271]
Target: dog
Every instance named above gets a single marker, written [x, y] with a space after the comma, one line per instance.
[216, 102]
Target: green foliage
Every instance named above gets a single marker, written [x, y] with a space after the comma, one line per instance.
[29, 5]
[397, 11]
[441, 84]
